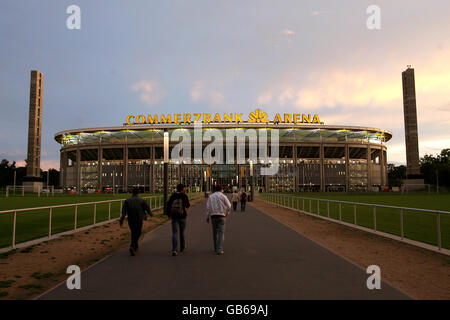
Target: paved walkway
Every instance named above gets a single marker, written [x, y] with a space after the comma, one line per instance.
[263, 260]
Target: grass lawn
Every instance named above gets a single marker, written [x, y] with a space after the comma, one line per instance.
[35, 224]
[419, 226]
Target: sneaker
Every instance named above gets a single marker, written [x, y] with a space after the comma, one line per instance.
[132, 251]
[174, 253]
[220, 252]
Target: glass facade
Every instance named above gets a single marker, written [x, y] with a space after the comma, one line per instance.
[312, 159]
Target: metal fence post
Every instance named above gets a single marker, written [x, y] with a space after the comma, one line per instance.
[76, 216]
[340, 211]
[354, 214]
[303, 200]
[439, 231]
[14, 231]
[50, 224]
[328, 209]
[374, 218]
[109, 210]
[95, 212]
[401, 224]
[318, 207]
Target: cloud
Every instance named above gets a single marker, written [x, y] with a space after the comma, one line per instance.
[288, 32]
[397, 152]
[150, 92]
[265, 98]
[200, 93]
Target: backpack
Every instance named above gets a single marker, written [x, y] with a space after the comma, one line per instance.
[244, 196]
[176, 211]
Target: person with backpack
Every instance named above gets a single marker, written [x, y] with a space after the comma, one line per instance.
[136, 208]
[176, 210]
[243, 200]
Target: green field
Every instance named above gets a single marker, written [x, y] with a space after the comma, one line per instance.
[35, 224]
[419, 226]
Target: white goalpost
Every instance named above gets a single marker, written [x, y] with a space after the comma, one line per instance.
[22, 190]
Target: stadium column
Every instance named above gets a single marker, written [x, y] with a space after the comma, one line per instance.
[294, 153]
[369, 169]
[151, 173]
[125, 168]
[63, 169]
[78, 171]
[347, 168]
[383, 168]
[100, 168]
[322, 176]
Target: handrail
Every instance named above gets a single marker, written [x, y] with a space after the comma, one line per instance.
[280, 199]
[364, 204]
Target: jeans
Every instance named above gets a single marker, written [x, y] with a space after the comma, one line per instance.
[178, 227]
[243, 205]
[234, 205]
[136, 230]
[218, 228]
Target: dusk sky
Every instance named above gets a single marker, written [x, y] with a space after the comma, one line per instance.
[147, 57]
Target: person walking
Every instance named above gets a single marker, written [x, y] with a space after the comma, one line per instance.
[217, 209]
[243, 200]
[135, 208]
[235, 199]
[176, 210]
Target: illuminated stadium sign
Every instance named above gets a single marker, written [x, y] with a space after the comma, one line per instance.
[257, 116]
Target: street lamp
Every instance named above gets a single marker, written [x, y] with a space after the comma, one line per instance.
[166, 165]
[252, 189]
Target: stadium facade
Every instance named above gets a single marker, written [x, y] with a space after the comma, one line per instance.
[312, 156]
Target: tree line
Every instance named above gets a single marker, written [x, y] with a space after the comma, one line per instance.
[7, 170]
[434, 168]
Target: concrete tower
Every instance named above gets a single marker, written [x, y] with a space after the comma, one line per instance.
[413, 175]
[34, 131]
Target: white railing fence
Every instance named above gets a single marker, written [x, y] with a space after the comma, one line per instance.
[383, 225]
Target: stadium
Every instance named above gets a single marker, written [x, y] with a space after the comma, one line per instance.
[312, 156]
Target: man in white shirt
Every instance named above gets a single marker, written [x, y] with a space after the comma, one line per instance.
[217, 208]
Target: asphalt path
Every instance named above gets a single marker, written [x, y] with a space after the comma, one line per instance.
[263, 259]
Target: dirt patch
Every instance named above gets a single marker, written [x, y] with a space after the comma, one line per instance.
[420, 273]
[27, 272]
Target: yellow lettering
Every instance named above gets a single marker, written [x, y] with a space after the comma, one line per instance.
[287, 118]
[165, 119]
[306, 119]
[197, 116]
[297, 118]
[176, 118]
[140, 119]
[237, 117]
[217, 118]
[187, 118]
[277, 118]
[128, 120]
[228, 118]
[316, 119]
[206, 117]
[153, 120]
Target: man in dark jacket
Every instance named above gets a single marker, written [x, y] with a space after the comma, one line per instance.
[136, 208]
[176, 210]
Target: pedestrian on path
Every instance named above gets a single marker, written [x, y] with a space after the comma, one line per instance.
[235, 199]
[177, 212]
[217, 208]
[135, 208]
[243, 200]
